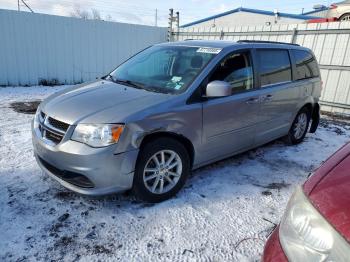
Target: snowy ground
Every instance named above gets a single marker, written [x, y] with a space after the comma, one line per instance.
[224, 213]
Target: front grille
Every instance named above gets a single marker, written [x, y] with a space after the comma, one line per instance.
[53, 137]
[52, 129]
[68, 176]
[58, 124]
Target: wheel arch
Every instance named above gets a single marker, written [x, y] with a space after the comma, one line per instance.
[309, 106]
[343, 15]
[314, 109]
[180, 138]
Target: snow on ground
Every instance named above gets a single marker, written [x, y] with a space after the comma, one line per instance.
[224, 213]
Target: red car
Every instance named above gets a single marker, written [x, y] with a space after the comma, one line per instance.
[316, 223]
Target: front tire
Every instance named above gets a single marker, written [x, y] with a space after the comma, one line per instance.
[161, 170]
[299, 127]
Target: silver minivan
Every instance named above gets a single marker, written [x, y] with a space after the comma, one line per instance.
[172, 108]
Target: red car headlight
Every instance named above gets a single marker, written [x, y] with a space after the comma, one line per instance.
[305, 235]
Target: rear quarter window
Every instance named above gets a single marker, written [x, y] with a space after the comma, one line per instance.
[275, 66]
[306, 65]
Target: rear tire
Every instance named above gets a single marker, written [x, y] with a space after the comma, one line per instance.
[345, 17]
[162, 168]
[299, 127]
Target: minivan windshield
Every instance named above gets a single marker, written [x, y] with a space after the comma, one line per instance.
[164, 69]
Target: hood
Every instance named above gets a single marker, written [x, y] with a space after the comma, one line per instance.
[331, 196]
[99, 102]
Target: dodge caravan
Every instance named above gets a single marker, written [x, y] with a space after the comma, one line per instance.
[172, 108]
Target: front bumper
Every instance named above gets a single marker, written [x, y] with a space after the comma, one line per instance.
[273, 250]
[83, 169]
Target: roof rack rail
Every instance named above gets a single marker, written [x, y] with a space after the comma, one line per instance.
[191, 39]
[265, 42]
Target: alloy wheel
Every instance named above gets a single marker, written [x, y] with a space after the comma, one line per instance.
[300, 126]
[162, 171]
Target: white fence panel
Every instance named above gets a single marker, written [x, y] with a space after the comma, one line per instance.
[69, 50]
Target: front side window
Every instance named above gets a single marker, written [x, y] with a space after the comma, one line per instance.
[237, 70]
[275, 66]
[165, 69]
[306, 65]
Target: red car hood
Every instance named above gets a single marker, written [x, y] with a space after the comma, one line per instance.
[329, 191]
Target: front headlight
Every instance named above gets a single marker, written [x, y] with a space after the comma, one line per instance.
[97, 135]
[306, 236]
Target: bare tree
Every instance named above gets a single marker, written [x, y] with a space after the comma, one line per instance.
[109, 18]
[80, 13]
[94, 14]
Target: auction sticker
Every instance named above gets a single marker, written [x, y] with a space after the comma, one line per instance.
[209, 50]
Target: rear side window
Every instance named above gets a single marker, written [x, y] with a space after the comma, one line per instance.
[306, 65]
[275, 66]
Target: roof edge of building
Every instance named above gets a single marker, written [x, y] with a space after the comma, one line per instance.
[249, 10]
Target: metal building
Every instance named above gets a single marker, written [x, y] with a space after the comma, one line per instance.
[244, 16]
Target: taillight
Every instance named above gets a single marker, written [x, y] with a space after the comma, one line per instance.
[333, 6]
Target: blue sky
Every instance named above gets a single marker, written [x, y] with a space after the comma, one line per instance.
[143, 11]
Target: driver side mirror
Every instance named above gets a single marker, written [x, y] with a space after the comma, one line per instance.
[218, 89]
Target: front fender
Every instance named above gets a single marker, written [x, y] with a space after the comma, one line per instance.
[184, 121]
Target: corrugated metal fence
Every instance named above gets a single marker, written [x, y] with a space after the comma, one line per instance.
[329, 41]
[37, 47]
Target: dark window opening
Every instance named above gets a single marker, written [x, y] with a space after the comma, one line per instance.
[275, 67]
[306, 65]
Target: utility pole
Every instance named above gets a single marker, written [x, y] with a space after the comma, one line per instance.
[173, 19]
[170, 25]
[19, 9]
[275, 11]
[177, 25]
[156, 18]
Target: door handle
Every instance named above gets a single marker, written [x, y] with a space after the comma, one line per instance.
[266, 98]
[253, 100]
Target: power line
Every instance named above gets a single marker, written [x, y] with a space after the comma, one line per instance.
[31, 10]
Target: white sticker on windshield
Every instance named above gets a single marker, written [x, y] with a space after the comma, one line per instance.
[176, 79]
[209, 50]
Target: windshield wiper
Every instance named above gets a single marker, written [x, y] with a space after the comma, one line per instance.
[108, 76]
[135, 85]
[128, 83]
[156, 90]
